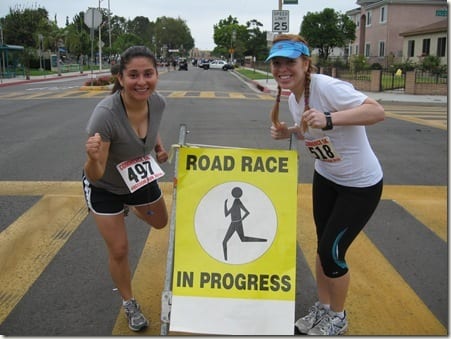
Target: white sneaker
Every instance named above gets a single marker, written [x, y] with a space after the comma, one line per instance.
[316, 313]
[330, 324]
[136, 320]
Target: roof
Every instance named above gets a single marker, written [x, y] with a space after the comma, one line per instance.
[436, 27]
[12, 47]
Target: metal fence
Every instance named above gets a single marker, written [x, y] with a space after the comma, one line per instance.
[430, 78]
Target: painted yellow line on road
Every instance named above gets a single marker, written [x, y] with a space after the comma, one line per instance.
[379, 302]
[425, 203]
[435, 124]
[29, 244]
[149, 276]
[177, 94]
[35, 188]
[207, 94]
[235, 95]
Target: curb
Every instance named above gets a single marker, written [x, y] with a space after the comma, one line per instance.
[264, 89]
[20, 82]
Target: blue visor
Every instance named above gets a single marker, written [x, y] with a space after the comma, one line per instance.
[288, 49]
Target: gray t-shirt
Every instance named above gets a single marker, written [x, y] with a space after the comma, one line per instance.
[109, 119]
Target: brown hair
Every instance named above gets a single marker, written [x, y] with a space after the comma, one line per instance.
[311, 69]
[129, 54]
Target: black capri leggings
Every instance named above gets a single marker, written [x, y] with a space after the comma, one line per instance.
[340, 213]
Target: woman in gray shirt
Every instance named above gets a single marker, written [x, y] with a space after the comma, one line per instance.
[120, 170]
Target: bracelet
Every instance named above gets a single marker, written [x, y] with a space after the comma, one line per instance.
[158, 148]
[329, 124]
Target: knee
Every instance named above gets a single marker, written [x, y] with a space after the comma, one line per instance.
[160, 222]
[119, 252]
[333, 266]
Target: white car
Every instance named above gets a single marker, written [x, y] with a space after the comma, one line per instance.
[220, 64]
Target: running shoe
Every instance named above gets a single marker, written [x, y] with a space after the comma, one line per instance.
[330, 324]
[136, 320]
[316, 313]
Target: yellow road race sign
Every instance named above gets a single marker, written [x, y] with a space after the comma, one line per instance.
[235, 242]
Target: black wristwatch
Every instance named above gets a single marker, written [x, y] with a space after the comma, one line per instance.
[329, 124]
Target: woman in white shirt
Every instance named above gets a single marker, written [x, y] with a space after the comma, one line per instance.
[330, 116]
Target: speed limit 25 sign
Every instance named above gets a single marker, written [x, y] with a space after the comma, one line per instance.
[280, 20]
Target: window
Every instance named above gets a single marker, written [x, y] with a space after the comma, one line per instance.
[383, 15]
[367, 50]
[357, 20]
[356, 49]
[411, 48]
[426, 46]
[381, 48]
[441, 47]
[368, 18]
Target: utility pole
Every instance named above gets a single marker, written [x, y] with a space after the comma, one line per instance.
[109, 26]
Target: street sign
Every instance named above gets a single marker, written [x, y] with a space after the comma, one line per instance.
[290, 2]
[280, 21]
[93, 18]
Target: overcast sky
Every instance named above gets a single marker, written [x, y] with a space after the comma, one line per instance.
[200, 16]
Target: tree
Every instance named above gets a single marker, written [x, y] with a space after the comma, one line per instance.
[256, 46]
[223, 37]
[22, 26]
[326, 30]
[172, 33]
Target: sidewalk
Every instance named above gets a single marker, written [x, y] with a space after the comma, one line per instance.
[388, 97]
[48, 77]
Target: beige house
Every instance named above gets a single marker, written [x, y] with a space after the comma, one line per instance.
[382, 26]
[426, 40]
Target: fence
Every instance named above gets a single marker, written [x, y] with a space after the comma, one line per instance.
[411, 82]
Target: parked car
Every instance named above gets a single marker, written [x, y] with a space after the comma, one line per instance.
[220, 64]
[183, 65]
[203, 63]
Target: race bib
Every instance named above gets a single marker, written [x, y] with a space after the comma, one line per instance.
[322, 149]
[139, 172]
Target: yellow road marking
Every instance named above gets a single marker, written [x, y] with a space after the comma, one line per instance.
[426, 203]
[177, 94]
[376, 288]
[148, 279]
[235, 95]
[435, 124]
[207, 94]
[381, 302]
[29, 244]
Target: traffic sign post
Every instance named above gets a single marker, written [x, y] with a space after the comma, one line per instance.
[280, 21]
[93, 19]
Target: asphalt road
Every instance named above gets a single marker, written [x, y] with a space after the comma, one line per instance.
[54, 278]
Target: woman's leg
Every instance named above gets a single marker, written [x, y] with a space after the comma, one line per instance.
[112, 228]
[155, 213]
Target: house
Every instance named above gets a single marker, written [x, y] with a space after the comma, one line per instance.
[426, 40]
[381, 26]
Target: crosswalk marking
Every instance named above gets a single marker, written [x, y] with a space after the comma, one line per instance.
[378, 297]
[433, 116]
[29, 244]
[377, 289]
[149, 276]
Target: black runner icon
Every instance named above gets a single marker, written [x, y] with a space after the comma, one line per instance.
[236, 224]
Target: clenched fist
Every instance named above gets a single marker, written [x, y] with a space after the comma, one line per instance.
[93, 146]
